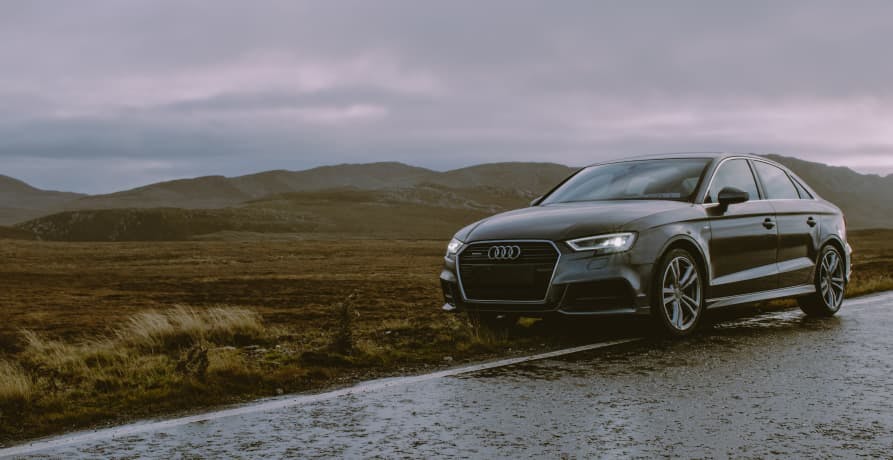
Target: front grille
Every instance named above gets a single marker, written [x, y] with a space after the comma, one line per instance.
[525, 278]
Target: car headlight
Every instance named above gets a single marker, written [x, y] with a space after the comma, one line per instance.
[604, 244]
[454, 247]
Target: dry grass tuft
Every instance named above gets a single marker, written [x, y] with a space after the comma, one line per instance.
[15, 385]
[226, 361]
[862, 285]
[183, 327]
[151, 350]
[58, 358]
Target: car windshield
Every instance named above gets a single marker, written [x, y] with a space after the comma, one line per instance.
[665, 179]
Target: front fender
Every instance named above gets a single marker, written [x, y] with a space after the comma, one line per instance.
[655, 242]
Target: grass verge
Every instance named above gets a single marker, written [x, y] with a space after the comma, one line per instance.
[165, 361]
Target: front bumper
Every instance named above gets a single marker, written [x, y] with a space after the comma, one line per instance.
[582, 284]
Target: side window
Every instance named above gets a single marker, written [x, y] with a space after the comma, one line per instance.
[804, 194]
[733, 173]
[776, 183]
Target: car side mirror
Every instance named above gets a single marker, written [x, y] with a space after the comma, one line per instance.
[536, 201]
[731, 195]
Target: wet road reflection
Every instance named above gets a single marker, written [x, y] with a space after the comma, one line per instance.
[754, 387]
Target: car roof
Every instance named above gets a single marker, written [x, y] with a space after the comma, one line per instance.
[716, 157]
[664, 156]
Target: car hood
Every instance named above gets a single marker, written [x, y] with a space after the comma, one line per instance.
[567, 220]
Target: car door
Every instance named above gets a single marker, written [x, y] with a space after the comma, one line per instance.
[743, 238]
[798, 225]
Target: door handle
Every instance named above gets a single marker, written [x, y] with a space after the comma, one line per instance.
[811, 222]
[768, 223]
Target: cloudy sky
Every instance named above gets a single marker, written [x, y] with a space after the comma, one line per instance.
[97, 96]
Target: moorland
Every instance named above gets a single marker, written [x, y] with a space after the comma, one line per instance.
[96, 333]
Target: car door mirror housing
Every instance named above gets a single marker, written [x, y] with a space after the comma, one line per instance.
[731, 195]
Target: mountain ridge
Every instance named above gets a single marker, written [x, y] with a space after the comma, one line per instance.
[20, 201]
[484, 188]
[214, 192]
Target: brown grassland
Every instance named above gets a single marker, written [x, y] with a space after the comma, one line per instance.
[96, 333]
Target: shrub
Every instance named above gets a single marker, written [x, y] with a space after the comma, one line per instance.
[343, 342]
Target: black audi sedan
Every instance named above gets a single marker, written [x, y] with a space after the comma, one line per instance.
[669, 236]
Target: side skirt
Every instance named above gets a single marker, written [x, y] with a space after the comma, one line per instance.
[760, 296]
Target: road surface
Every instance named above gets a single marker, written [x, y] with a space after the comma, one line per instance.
[773, 385]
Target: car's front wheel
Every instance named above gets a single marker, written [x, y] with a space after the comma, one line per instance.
[830, 285]
[678, 298]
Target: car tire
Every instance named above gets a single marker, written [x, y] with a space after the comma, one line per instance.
[830, 284]
[678, 293]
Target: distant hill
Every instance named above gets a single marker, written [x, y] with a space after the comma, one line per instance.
[383, 200]
[866, 199]
[368, 176]
[202, 192]
[532, 179]
[158, 224]
[418, 212]
[20, 201]
[10, 233]
[219, 192]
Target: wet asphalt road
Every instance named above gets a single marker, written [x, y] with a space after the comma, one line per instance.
[774, 385]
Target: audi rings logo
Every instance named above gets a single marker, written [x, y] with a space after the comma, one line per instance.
[504, 252]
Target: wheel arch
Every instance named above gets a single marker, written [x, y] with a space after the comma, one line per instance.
[835, 241]
[689, 244]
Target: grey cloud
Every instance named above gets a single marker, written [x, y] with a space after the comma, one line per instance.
[189, 87]
[273, 100]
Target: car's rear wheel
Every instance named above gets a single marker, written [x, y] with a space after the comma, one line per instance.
[678, 298]
[830, 284]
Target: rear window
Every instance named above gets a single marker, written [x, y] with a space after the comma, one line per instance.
[804, 194]
[777, 184]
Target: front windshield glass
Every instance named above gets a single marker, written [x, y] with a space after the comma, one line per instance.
[666, 179]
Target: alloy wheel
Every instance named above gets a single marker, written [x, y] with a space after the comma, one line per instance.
[831, 280]
[681, 293]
